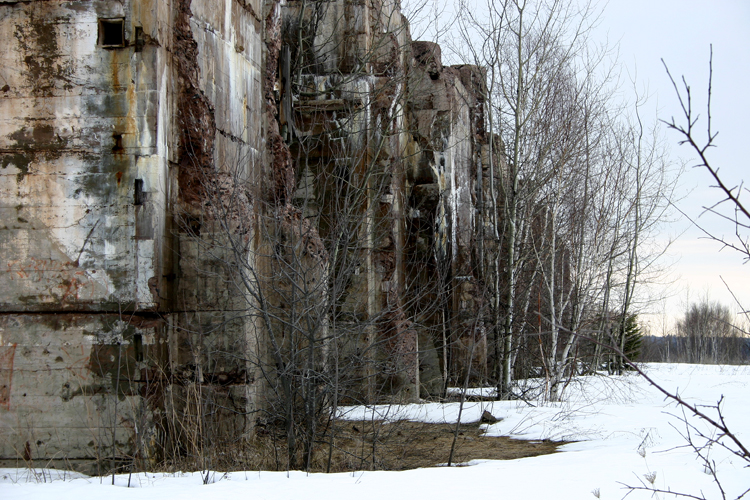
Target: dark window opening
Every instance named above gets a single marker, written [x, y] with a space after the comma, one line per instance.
[138, 347]
[118, 147]
[139, 39]
[138, 195]
[192, 226]
[112, 32]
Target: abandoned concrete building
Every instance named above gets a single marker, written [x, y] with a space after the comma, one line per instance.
[204, 199]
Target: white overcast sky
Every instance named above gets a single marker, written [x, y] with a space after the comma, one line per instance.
[680, 32]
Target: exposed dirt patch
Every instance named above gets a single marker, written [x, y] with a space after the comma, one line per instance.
[378, 446]
[410, 445]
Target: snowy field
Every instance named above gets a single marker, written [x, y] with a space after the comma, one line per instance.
[625, 433]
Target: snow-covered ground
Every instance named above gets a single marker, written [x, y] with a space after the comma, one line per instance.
[625, 433]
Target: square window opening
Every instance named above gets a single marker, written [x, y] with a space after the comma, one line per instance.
[112, 32]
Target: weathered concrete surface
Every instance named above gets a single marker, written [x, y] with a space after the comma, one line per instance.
[446, 110]
[349, 124]
[222, 140]
[155, 154]
[384, 113]
[78, 128]
[90, 146]
[83, 151]
[62, 372]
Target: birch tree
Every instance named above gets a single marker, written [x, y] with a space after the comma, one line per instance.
[528, 48]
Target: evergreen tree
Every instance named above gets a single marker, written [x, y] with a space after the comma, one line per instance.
[633, 337]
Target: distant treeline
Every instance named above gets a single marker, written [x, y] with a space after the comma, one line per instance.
[703, 350]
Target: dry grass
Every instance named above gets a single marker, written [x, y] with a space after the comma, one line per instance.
[410, 445]
[375, 445]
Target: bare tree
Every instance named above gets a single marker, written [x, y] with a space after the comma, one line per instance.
[575, 193]
[530, 50]
[313, 263]
[700, 440]
[707, 334]
[730, 207]
[720, 433]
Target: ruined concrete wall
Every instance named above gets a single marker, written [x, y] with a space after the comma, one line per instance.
[348, 63]
[81, 389]
[445, 109]
[103, 163]
[80, 153]
[84, 184]
[370, 104]
[156, 154]
[220, 116]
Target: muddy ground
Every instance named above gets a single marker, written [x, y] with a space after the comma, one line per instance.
[374, 445]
